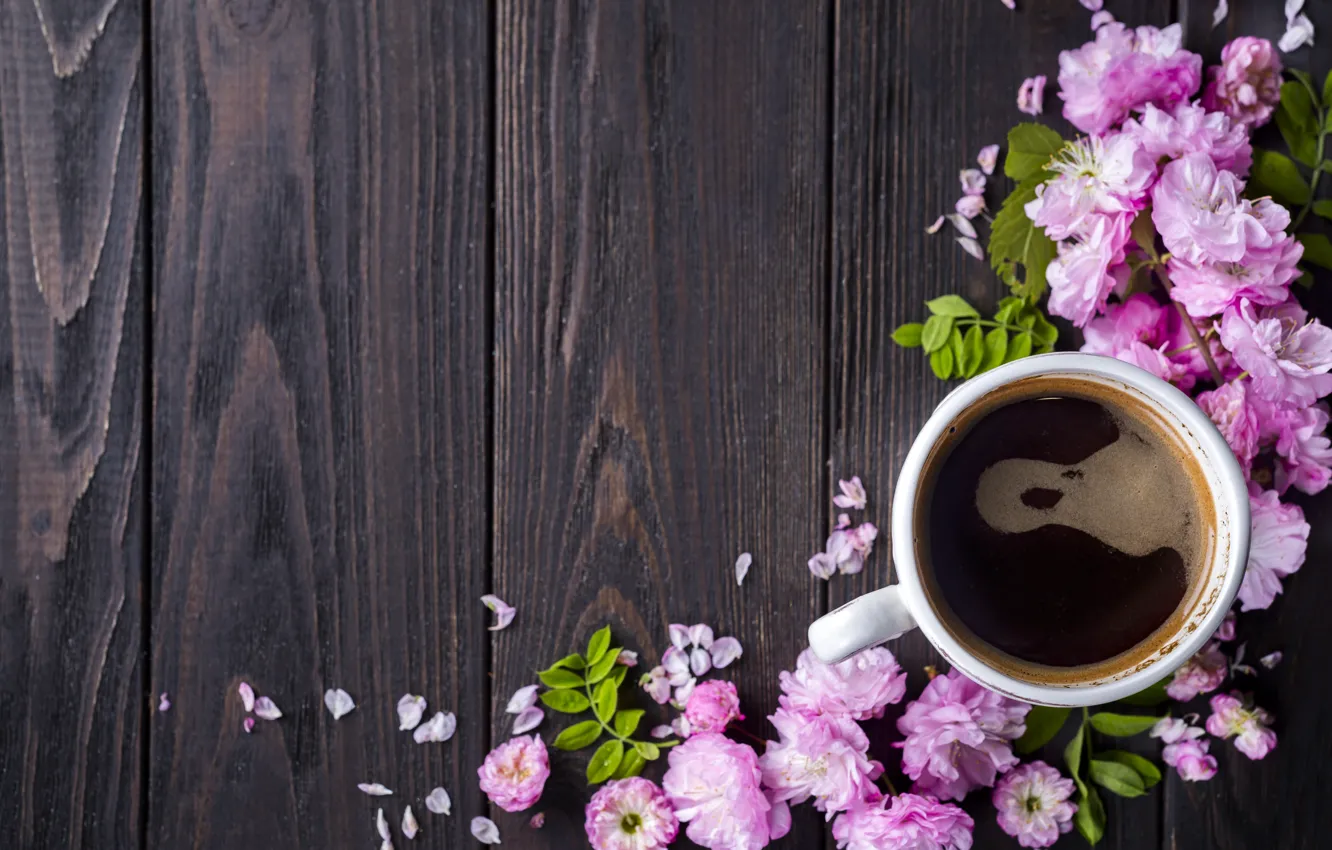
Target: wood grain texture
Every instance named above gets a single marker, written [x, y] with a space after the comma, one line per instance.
[72, 337]
[1223, 814]
[661, 230]
[919, 88]
[320, 413]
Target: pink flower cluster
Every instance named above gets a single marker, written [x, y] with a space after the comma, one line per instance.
[1185, 750]
[1248, 726]
[848, 546]
[694, 651]
[1032, 801]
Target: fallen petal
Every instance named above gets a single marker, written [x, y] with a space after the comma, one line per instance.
[439, 802]
[972, 247]
[374, 789]
[844, 521]
[522, 699]
[409, 825]
[503, 611]
[163, 704]
[822, 566]
[485, 831]
[386, 845]
[700, 662]
[266, 709]
[1299, 33]
[679, 635]
[700, 635]
[249, 725]
[1092, 5]
[1271, 659]
[381, 824]
[438, 729]
[527, 720]
[1292, 9]
[1031, 95]
[1012, 4]
[934, 228]
[676, 662]
[986, 159]
[724, 651]
[972, 180]
[682, 694]
[410, 711]
[661, 731]
[538, 820]
[961, 225]
[246, 695]
[682, 727]
[970, 206]
[853, 495]
[627, 658]
[1222, 9]
[742, 565]
[339, 702]
[1100, 19]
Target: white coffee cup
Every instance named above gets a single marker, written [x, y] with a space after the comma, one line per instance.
[889, 612]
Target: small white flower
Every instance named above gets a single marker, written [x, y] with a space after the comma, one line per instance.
[409, 824]
[439, 803]
[437, 729]
[742, 565]
[246, 695]
[338, 701]
[522, 699]
[485, 831]
[374, 789]
[266, 709]
[410, 711]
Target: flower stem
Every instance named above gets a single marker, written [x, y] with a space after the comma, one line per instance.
[1206, 352]
[1318, 161]
[588, 689]
[892, 792]
[987, 323]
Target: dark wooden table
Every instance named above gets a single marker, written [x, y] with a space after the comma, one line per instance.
[320, 320]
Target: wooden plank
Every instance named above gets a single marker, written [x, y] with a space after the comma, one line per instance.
[1221, 814]
[660, 231]
[72, 338]
[320, 418]
[920, 87]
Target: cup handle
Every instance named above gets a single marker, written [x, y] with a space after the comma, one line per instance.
[863, 622]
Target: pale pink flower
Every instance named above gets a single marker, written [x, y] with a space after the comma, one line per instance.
[724, 651]
[439, 803]
[1080, 278]
[514, 773]
[657, 683]
[1201, 674]
[1287, 356]
[1226, 631]
[988, 158]
[1031, 95]
[1247, 84]
[1262, 277]
[485, 830]
[1304, 450]
[1249, 727]
[1187, 129]
[819, 756]
[861, 687]
[528, 719]
[712, 706]
[504, 612]
[437, 729]
[742, 565]
[1277, 542]
[266, 709]
[163, 702]
[630, 814]
[713, 784]
[1229, 407]
[903, 822]
[1032, 802]
[247, 696]
[248, 725]
[853, 495]
[1122, 70]
[338, 702]
[958, 736]
[409, 825]
[1095, 177]
[1183, 749]
[1198, 213]
[629, 658]
[374, 789]
[973, 183]
[1100, 19]
[410, 711]
[969, 206]
[522, 699]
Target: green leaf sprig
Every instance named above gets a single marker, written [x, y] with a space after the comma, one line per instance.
[591, 682]
[961, 344]
[1015, 240]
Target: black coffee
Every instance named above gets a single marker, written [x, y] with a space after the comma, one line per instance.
[1064, 530]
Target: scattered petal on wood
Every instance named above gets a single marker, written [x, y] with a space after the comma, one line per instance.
[439, 802]
[374, 789]
[386, 845]
[660, 731]
[1012, 4]
[504, 612]
[627, 658]
[410, 711]
[381, 824]
[248, 725]
[679, 635]
[522, 699]
[970, 206]
[163, 703]
[700, 635]
[986, 159]
[485, 831]
[266, 709]
[934, 228]
[724, 651]
[1298, 33]
[1222, 9]
[437, 729]
[971, 246]
[527, 720]
[966, 228]
[246, 695]
[742, 565]
[409, 825]
[1271, 659]
[1092, 5]
[700, 662]
[339, 702]
[538, 820]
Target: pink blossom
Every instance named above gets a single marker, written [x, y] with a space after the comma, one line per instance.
[1100, 19]
[1159, 363]
[1198, 213]
[845, 551]
[1183, 750]
[713, 784]
[1247, 84]
[1228, 406]
[1122, 70]
[1287, 356]
[987, 158]
[1032, 802]
[969, 206]
[973, 183]
[861, 687]
[1031, 95]
[1249, 727]
[853, 495]
[712, 706]
[630, 814]
[1137, 319]
[1304, 450]
[1095, 177]
[514, 773]
[657, 683]
[958, 736]
[904, 822]
[1262, 277]
[504, 612]
[1277, 542]
[1201, 674]
[1080, 279]
[819, 756]
[1188, 128]
[1226, 631]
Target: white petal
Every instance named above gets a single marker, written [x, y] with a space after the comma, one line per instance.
[522, 699]
[682, 727]
[246, 695]
[627, 658]
[381, 824]
[1222, 9]
[266, 709]
[742, 565]
[700, 635]
[1293, 8]
[527, 720]
[503, 611]
[934, 228]
[1271, 659]
[339, 702]
[485, 831]
[409, 824]
[679, 635]
[960, 223]
[972, 247]
[439, 802]
[682, 694]
[675, 661]
[386, 845]
[163, 702]
[1299, 33]
[724, 651]
[374, 789]
[660, 732]
[438, 729]
[699, 661]
[410, 711]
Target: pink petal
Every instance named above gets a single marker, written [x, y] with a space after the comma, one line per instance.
[973, 181]
[679, 635]
[986, 159]
[1031, 95]
[338, 701]
[934, 228]
[485, 831]
[249, 725]
[779, 816]
[972, 247]
[522, 699]
[627, 658]
[266, 709]
[682, 693]
[374, 789]
[699, 661]
[1271, 659]
[438, 729]
[970, 206]
[742, 565]
[409, 825]
[682, 727]
[1100, 19]
[700, 635]
[503, 611]
[527, 720]
[822, 565]
[381, 825]
[538, 820]
[660, 731]
[163, 704]
[1222, 9]
[439, 802]
[246, 695]
[1012, 4]
[963, 226]
[724, 651]
[410, 711]
[1092, 5]
[676, 662]
[844, 521]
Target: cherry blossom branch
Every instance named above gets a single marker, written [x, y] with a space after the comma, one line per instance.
[1206, 352]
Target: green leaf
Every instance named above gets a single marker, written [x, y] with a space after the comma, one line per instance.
[1300, 136]
[604, 700]
[566, 702]
[599, 643]
[973, 352]
[1149, 772]
[626, 722]
[1154, 695]
[1275, 174]
[1326, 165]
[941, 362]
[951, 305]
[934, 334]
[1122, 725]
[1043, 333]
[570, 662]
[1317, 249]
[1016, 241]
[1298, 105]
[647, 750]
[1043, 723]
[602, 668]
[618, 673]
[631, 765]
[908, 335]
[996, 346]
[1116, 778]
[1073, 757]
[1090, 818]
[1009, 308]
[560, 678]
[578, 736]
[1327, 89]
[955, 343]
[1030, 148]
[1302, 76]
[1323, 208]
[605, 761]
[1019, 346]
